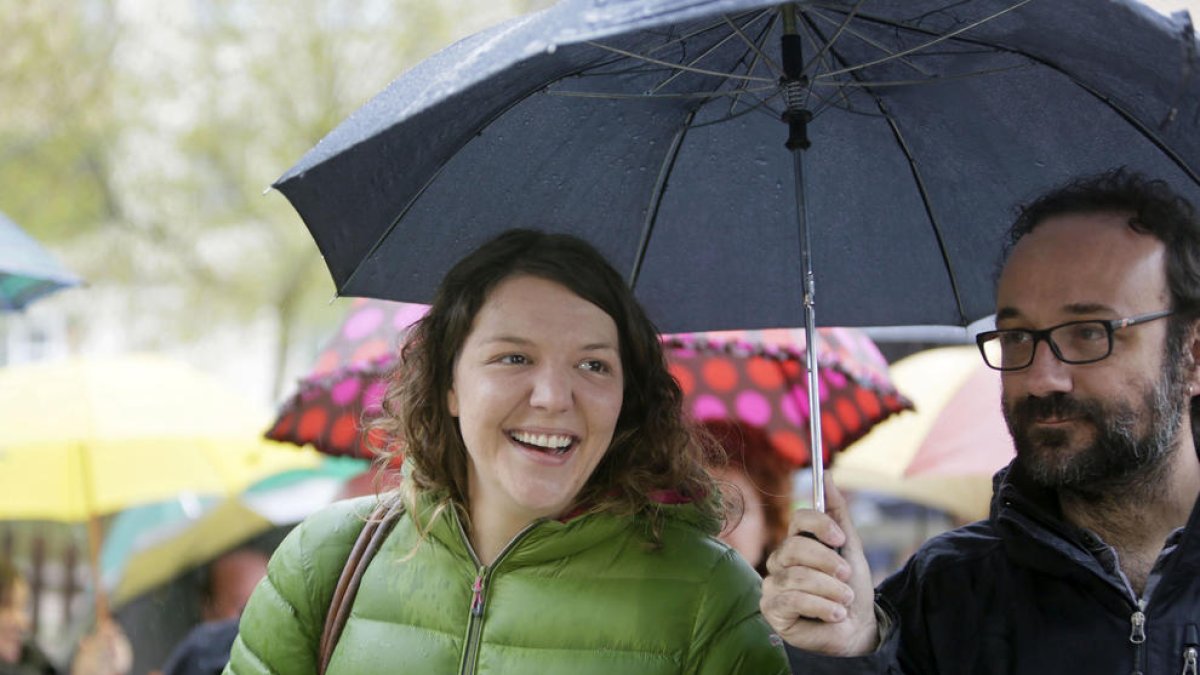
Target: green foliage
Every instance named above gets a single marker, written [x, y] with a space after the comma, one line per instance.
[137, 138]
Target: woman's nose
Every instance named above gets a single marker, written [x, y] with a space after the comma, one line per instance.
[551, 389]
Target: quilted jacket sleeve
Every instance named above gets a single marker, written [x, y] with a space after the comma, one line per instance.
[281, 626]
[731, 637]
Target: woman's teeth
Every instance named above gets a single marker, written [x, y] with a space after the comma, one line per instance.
[555, 443]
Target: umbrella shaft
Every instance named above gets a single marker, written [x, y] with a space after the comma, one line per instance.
[810, 336]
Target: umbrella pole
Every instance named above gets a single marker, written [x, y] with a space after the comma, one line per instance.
[101, 596]
[94, 535]
[797, 118]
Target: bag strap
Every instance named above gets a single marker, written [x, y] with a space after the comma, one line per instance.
[377, 528]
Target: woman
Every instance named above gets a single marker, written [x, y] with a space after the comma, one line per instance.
[556, 509]
[17, 655]
[104, 651]
[762, 478]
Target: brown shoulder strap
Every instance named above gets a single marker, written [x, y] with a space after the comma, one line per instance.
[380, 523]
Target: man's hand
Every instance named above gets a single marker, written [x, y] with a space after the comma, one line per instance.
[816, 599]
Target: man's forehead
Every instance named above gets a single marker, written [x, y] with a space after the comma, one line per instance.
[1080, 264]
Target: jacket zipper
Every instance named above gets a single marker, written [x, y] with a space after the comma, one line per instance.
[1137, 634]
[1191, 647]
[479, 595]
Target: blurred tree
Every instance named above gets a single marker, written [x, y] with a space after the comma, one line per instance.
[139, 136]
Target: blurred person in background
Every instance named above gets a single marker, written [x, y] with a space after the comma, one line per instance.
[105, 651]
[18, 654]
[763, 480]
[229, 581]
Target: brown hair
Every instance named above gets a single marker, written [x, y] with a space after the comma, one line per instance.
[653, 448]
[749, 449]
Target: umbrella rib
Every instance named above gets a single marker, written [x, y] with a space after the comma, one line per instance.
[836, 34]
[922, 189]
[823, 57]
[910, 83]
[429, 182]
[1141, 127]
[712, 48]
[878, 45]
[681, 95]
[763, 106]
[759, 57]
[656, 198]
[759, 54]
[677, 66]
[925, 45]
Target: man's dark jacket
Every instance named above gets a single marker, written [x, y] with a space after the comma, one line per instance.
[1024, 592]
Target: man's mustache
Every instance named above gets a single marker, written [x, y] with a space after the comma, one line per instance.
[1058, 405]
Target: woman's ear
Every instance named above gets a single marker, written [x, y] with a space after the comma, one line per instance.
[452, 402]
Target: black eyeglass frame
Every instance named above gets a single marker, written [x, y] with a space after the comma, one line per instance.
[1110, 326]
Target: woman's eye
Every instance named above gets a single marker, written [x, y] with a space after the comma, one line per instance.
[595, 366]
[513, 359]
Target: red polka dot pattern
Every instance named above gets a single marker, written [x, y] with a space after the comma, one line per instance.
[746, 374]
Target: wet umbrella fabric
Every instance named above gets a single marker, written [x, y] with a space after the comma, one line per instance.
[755, 376]
[656, 130]
[653, 130]
[27, 271]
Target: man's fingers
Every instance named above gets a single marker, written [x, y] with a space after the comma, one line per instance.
[800, 551]
[820, 525]
[784, 608]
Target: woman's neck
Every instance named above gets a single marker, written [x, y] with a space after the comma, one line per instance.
[490, 530]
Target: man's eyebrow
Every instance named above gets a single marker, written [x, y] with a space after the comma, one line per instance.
[1077, 308]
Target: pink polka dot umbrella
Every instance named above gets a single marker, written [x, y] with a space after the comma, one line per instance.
[757, 377]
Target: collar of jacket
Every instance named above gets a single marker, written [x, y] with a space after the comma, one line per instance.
[1029, 521]
[547, 539]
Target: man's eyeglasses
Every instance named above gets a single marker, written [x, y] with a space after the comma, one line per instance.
[1073, 342]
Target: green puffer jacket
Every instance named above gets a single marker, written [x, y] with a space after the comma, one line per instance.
[584, 597]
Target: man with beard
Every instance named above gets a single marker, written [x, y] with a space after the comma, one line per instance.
[1090, 559]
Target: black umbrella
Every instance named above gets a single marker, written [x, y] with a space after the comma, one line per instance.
[656, 130]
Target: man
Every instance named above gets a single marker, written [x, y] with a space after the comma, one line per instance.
[1090, 560]
[231, 580]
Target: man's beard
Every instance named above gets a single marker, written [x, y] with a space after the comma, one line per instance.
[1118, 454]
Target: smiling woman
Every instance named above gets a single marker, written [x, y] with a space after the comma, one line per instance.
[556, 515]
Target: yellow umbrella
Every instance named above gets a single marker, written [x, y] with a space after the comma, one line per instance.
[82, 438]
[943, 453]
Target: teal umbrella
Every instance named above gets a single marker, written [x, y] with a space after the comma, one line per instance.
[27, 271]
[147, 546]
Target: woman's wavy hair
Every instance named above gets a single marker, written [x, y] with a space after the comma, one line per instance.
[654, 450]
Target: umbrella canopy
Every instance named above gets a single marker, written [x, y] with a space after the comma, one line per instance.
[725, 154]
[27, 271]
[945, 453]
[81, 438]
[653, 129]
[755, 376]
[149, 545]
